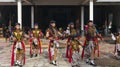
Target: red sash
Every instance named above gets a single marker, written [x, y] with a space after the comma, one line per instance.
[96, 40]
[30, 46]
[82, 56]
[67, 49]
[40, 47]
[70, 57]
[49, 51]
[71, 53]
[12, 57]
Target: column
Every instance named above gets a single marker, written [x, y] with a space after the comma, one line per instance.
[91, 10]
[82, 21]
[19, 10]
[32, 16]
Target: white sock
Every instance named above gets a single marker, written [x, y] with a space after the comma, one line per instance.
[18, 62]
[87, 60]
[54, 62]
[92, 61]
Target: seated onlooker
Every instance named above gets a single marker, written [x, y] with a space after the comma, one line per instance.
[7, 35]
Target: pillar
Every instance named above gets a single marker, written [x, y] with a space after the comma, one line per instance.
[19, 11]
[91, 10]
[32, 16]
[82, 21]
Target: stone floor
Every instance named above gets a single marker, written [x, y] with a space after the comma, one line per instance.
[106, 58]
[40, 61]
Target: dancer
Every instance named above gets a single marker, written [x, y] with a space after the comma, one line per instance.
[73, 43]
[35, 43]
[74, 52]
[18, 48]
[53, 35]
[89, 45]
[117, 46]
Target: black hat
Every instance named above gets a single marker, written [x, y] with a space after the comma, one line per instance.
[71, 23]
[36, 24]
[17, 24]
[90, 21]
[52, 21]
[118, 30]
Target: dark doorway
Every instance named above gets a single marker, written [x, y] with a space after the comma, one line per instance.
[7, 14]
[61, 14]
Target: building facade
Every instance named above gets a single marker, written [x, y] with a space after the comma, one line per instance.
[104, 12]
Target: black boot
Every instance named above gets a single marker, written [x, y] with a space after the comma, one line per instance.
[20, 65]
[93, 64]
[54, 63]
[16, 64]
[36, 55]
[31, 55]
[87, 61]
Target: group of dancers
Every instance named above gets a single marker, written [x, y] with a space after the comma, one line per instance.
[18, 48]
[73, 43]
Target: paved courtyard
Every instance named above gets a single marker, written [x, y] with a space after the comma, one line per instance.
[40, 61]
[106, 58]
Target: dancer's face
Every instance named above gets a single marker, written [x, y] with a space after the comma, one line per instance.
[119, 33]
[68, 25]
[53, 24]
[72, 26]
[36, 26]
[17, 26]
[90, 23]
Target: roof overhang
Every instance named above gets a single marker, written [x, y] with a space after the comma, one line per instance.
[108, 0]
[44, 2]
[7, 0]
[60, 2]
[74, 2]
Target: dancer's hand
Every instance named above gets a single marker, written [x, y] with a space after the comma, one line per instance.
[83, 46]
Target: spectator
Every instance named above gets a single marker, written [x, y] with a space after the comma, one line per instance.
[7, 35]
